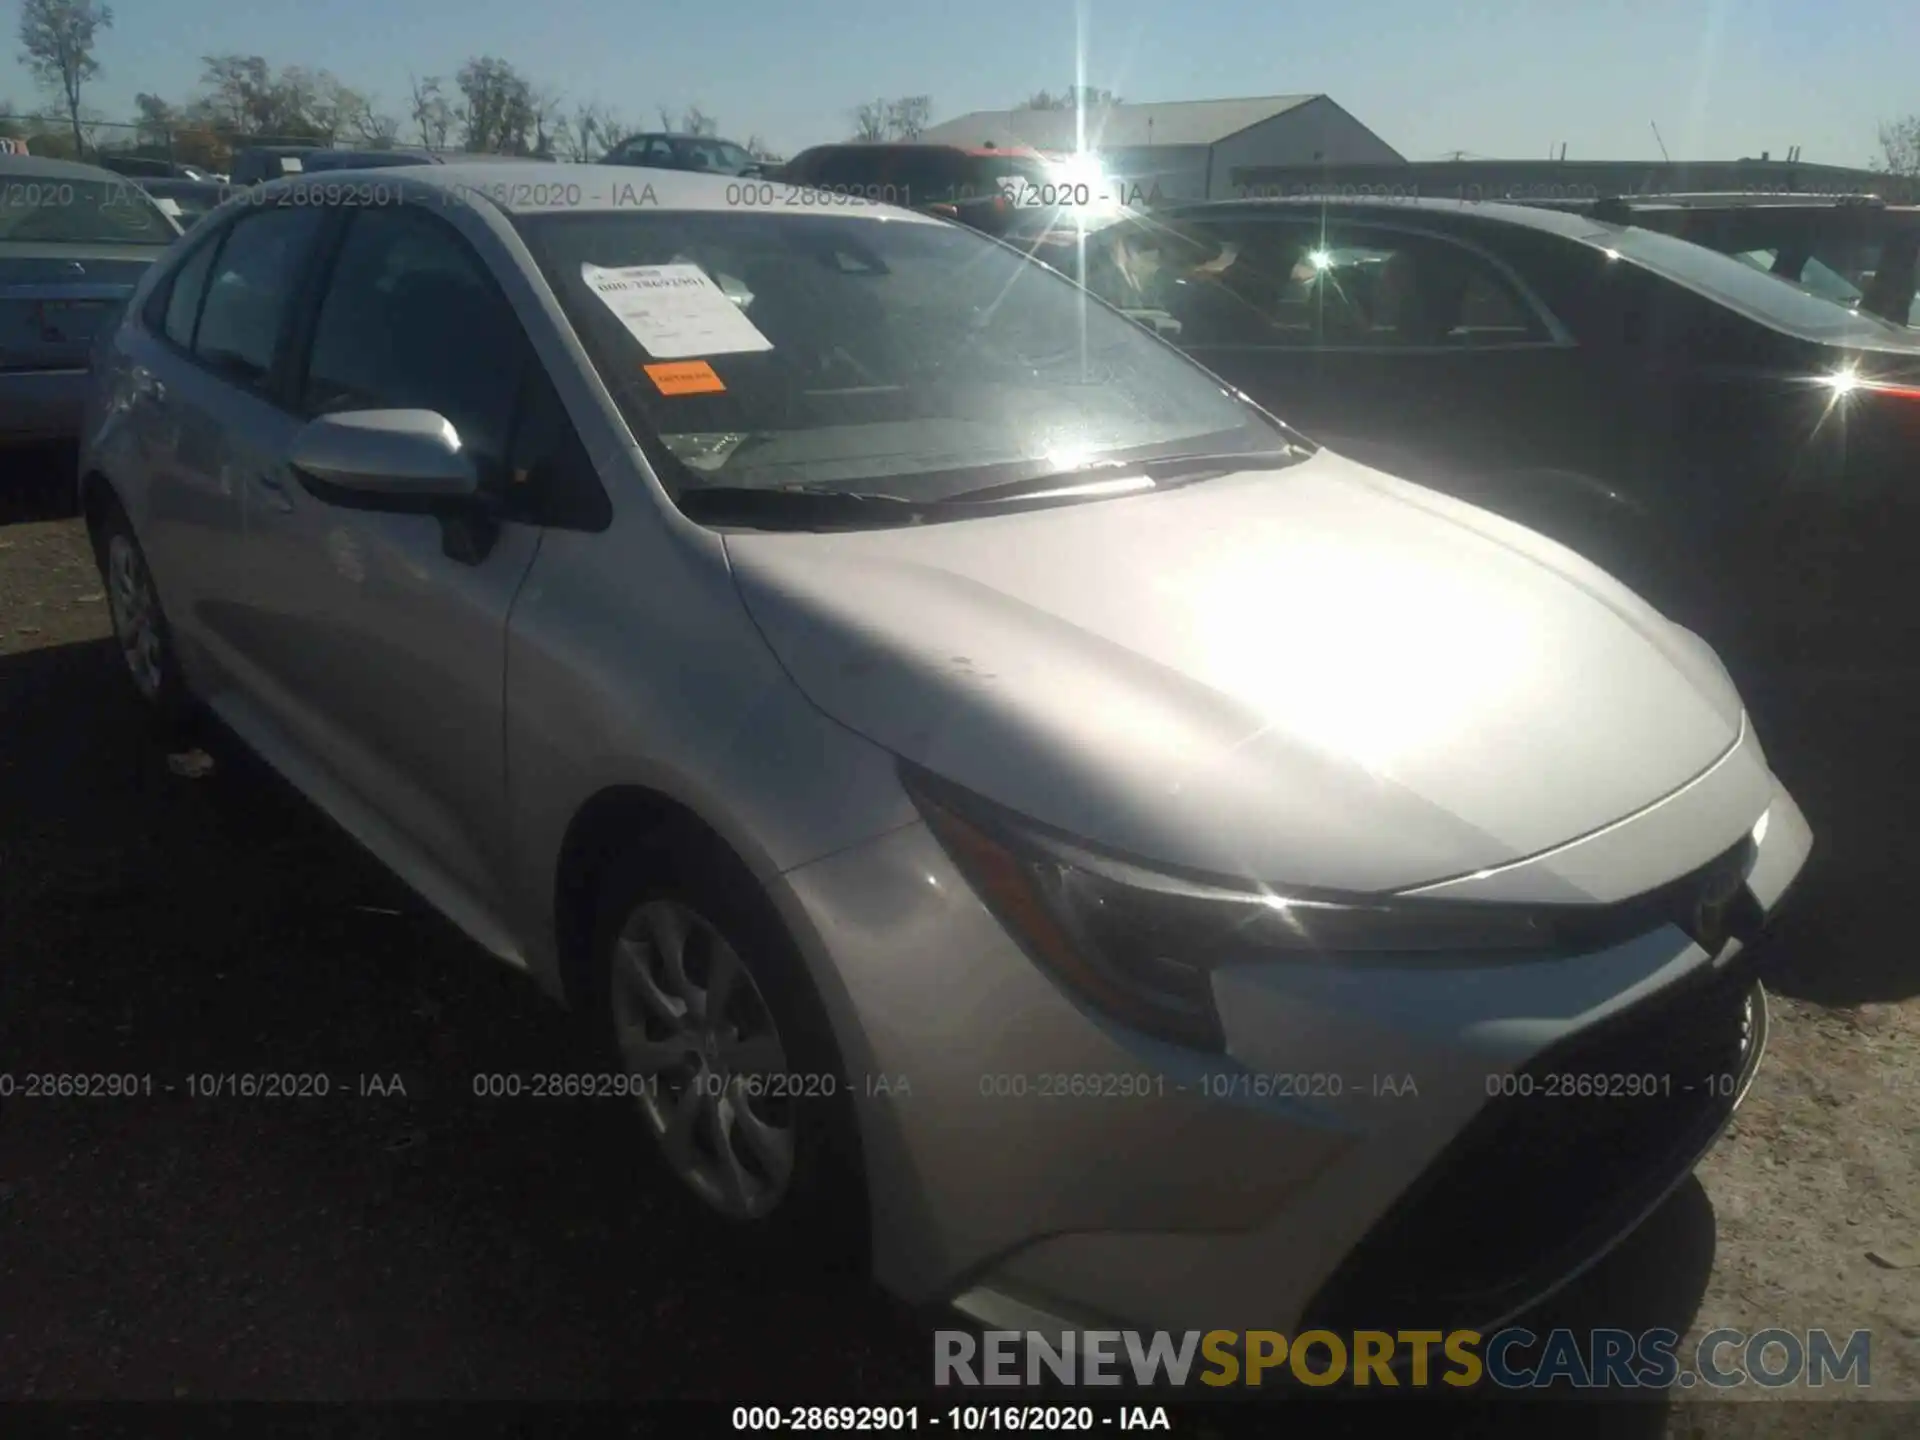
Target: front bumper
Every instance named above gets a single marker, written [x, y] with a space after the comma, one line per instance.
[1042, 1169]
[41, 405]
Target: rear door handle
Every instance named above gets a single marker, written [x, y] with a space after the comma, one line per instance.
[149, 386]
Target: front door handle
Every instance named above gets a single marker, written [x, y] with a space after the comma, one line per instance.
[149, 386]
[275, 485]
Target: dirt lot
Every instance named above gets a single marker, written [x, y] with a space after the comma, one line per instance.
[429, 1243]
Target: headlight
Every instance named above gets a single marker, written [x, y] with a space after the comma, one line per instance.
[1140, 944]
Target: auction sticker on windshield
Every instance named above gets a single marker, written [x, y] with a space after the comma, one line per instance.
[674, 311]
[685, 377]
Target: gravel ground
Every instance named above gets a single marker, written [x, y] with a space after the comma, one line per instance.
[425, 1243]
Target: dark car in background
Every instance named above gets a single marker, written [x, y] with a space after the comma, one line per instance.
[144, 167]
[978, 186]
[326, 160]
[663, 150]
[320, 160]
[74, 241]
[1856, 249]
[187, 201]
[1738, 449]
[261, 163]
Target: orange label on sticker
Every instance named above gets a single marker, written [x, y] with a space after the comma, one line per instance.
[685, 377]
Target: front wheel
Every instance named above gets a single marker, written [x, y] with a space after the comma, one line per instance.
[737, 1084]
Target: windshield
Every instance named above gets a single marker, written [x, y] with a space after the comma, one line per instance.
[54, 210]
[720, 156]
[1743, 286]
[903, 356]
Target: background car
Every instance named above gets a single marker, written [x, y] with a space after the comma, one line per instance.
[74, 241]
[1131, 258]
[861, 717]
[147, 168]
[260, 163]
[1732, 445]
[330, 160]
[662, 150]
[975, 185]
[187, 201]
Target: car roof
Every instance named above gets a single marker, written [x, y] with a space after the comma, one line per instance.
[1737, 200]
[48, 168]
[1017, 151]
[532, 187]
[1527, 217]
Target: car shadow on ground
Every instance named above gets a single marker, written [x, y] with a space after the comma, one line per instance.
[1843, 744]
[37, 483]
[399, 1236]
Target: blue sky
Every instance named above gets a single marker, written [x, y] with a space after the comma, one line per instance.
[1721, 78]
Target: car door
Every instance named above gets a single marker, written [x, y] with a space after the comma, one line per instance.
[380, 636]
[205, 411]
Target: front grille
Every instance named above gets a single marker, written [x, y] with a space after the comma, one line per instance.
[1537, 1184]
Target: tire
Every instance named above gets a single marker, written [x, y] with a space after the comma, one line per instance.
[815, 1214]
[143, 638]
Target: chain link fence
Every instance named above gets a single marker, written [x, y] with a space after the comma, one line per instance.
[200, 146]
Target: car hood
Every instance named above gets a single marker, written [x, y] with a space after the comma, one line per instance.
[1318, 676]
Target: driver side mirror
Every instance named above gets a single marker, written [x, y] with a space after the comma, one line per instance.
[396, 459]
[402, 462]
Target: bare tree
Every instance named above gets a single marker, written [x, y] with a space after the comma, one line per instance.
[242, 96]
[870, 121]
[549, 120]
[759, 149]
[1900, 147]
[1082, 97]
[588, 133]
[359, 117]
[156, 120]
[497, 113]
[312, 100]
[431, 113]
[690, 121]
[56, 45]
[908, 116]
[236, 94]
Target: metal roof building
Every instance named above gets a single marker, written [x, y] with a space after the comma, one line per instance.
[1186, 149]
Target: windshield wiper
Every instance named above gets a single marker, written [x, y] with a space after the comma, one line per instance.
[1106, 475]
[824, 507]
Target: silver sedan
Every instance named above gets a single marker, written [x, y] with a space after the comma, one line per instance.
[1016, 815]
